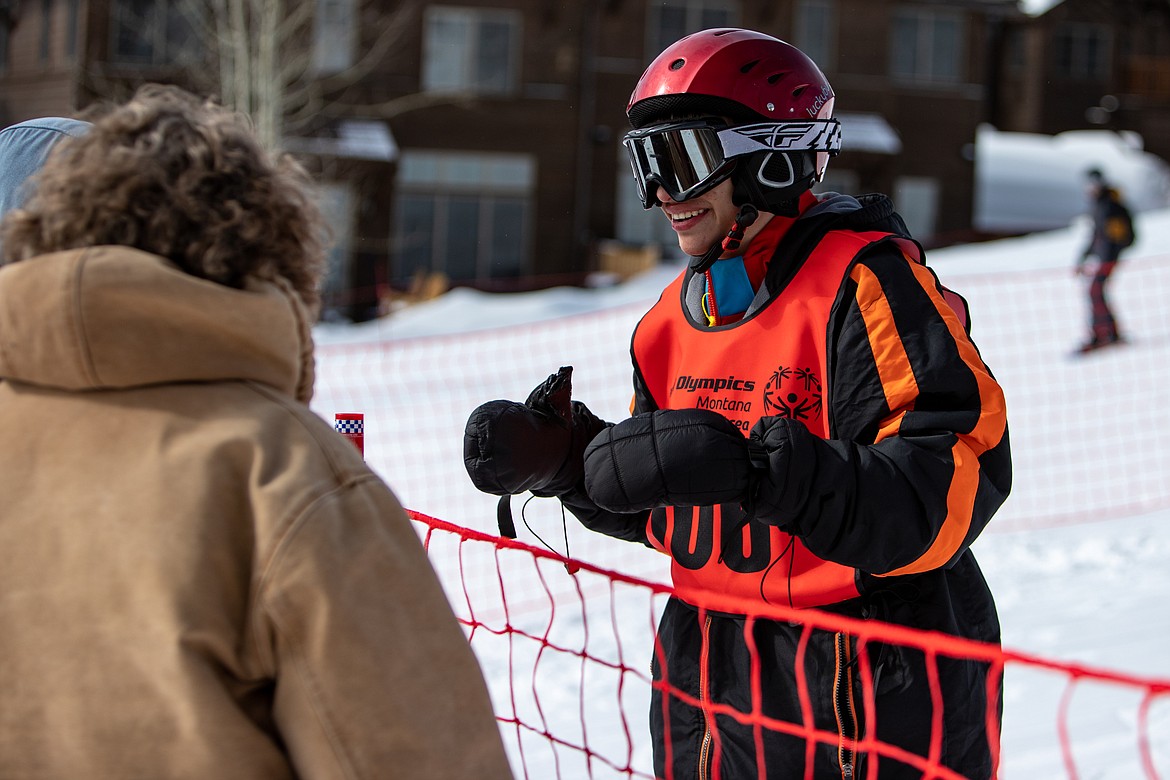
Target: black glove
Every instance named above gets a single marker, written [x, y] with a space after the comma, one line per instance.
[537, 446]
[671, 457]
[777, 488]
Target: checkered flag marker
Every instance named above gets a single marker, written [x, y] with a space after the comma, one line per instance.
[352, 425]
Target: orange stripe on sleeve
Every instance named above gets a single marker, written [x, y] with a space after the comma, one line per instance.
[897, 379]
[992, 406]
[987, 433]
[960, 504]
[893, 365]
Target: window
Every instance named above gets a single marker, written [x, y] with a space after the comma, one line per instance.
[71, 29]
[334, 31]
[1015, 51]
[336, 202]
[916, 199]
[5, 23]
[134, 30]
[474, 50]
[46, 30]
[926, 46]
[672, 19]
[153, 33]
[464, 214]
[1081, 51]
[815, 32]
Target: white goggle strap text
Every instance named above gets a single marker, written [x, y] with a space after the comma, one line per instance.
[822, 135]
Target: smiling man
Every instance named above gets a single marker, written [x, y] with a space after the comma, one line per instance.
[812, 428]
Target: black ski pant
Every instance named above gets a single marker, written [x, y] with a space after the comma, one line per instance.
[707, 658]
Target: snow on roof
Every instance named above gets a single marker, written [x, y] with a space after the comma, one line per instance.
[864, 132]
[1038, 7]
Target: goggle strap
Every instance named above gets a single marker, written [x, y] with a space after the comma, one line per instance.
[821, 135]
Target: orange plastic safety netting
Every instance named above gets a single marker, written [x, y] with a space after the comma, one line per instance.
[570, 678]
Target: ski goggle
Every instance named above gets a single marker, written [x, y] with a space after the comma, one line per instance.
[688, 158]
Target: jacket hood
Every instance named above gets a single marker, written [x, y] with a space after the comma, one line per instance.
[873, 211]
[113, 317]
[23, 150]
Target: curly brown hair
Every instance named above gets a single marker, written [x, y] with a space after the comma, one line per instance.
[183, 178]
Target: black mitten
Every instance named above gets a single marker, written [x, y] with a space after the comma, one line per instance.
[773, 487]
[670, 457]
[537, 446]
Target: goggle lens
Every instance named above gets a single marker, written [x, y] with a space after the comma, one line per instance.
[681, 160]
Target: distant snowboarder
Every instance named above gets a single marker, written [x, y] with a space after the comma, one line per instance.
[1112, 232]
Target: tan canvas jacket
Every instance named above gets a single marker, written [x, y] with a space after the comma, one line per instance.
[198, 577]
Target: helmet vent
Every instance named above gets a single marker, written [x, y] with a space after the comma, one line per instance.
[799, 90]
[776, 77]
[678, 63]
[749, 66]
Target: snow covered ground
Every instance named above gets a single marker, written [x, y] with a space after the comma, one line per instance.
[1077, 558]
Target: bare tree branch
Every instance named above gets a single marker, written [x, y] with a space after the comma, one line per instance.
[259, 56]
[391, 108]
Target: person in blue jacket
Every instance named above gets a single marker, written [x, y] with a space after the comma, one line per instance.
[25, 146]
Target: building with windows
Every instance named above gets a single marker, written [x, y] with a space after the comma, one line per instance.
[551, 85]
[39, 53]
[480, 139]
[1082, 64]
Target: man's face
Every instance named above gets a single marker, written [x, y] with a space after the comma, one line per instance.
[703, 220]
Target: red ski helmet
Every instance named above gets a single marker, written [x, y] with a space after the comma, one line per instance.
[745, 78]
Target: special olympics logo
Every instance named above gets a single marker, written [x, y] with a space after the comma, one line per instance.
[793, 393]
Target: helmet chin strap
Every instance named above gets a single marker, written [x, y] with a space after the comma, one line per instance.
[743, 220]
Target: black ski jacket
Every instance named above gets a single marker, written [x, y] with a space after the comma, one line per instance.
[876, 495]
